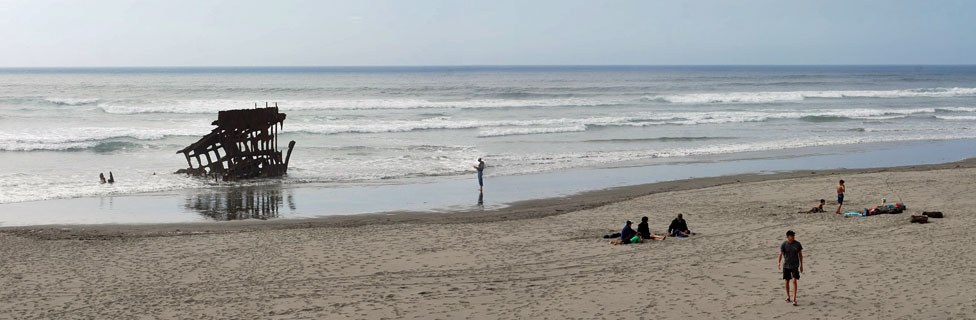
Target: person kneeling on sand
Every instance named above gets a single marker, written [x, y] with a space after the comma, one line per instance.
[627, 235]
[645, 232]
[679, 227]
[816, 209]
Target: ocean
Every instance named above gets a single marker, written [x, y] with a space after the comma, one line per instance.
[367, 126]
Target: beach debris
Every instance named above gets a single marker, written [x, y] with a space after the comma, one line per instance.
[933, 214]
[244, 145]
[920, 219]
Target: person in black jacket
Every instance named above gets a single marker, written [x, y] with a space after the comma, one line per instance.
[645, 232]
[679, 227]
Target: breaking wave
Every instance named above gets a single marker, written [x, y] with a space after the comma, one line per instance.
[98, 139]
[213, 106]
[791, 96]
[497, 132]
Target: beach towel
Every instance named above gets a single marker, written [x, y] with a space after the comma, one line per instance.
[855, 213]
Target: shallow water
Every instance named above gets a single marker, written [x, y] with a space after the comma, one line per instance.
[282, 200]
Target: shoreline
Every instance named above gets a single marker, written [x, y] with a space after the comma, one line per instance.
[530, 260]
[520, 210]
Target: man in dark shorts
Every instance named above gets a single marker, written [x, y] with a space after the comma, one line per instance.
[793, 251]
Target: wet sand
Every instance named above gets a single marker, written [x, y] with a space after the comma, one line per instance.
[534, 259]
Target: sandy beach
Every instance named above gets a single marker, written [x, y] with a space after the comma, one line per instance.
[543, 259]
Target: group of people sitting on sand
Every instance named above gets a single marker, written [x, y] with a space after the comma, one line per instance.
[678, 228]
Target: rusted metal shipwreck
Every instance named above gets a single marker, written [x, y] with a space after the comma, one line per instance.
[244, 145]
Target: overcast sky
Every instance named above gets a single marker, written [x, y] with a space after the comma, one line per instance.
[394, 33]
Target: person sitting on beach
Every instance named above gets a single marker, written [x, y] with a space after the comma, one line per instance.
[645, 232]
[679, 227]
[627, 235]
[101, 176]
[111, 178]
[816, 209]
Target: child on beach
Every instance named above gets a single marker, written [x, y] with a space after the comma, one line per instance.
[840, 195]
[816, 209]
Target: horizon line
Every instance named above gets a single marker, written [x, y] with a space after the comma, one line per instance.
[477, 66]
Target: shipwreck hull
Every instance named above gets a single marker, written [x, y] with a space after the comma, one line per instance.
[244, 145]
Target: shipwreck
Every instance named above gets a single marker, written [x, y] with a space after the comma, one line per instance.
[244, 145]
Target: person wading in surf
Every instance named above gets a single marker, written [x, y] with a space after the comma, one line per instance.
[481, 169]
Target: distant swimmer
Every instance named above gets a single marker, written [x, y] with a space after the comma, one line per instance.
[481, 169]
[111, 178]
[101, 176]
[840, 195]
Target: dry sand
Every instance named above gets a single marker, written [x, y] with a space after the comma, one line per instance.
[537, 260]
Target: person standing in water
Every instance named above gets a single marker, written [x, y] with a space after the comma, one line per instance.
[481, 170]
[840, 195]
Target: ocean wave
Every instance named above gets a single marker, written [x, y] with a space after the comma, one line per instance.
[555, 125]
[956, 118]
[71, 101]
[214, 106]
[98, 139]
[532, 163]
[498, 132]
[661, 139]
[824, 118]
[955, 109]
[792, 96]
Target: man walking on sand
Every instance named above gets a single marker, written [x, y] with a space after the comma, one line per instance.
[840, 195]
[481, 169]
[793, 252]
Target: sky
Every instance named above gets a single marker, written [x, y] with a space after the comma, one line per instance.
[106, 33]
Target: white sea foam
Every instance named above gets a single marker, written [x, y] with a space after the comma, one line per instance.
[557, 125]
[956, 118]
[956, 109]
[74, 138]
[71, 101]
[533, 163]
[20, 187]
[788, 96]
[213, 106]
[497, 132]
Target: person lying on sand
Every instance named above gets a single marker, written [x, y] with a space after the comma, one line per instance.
[816, 209]
[679, 227]
[645, 232]
[627, 235]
